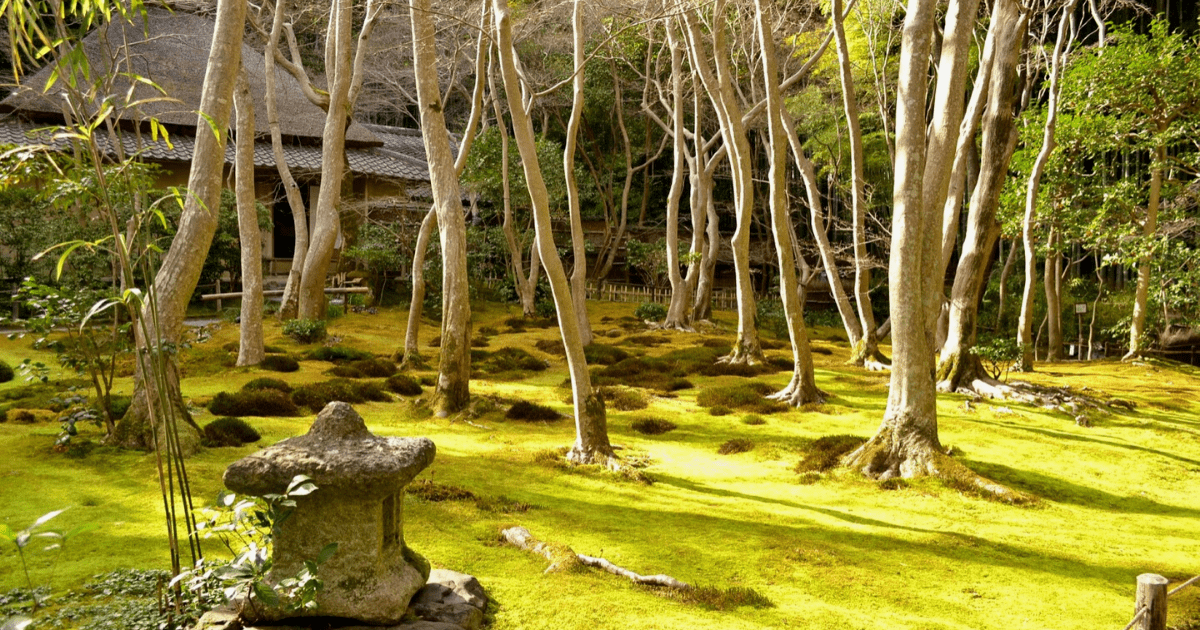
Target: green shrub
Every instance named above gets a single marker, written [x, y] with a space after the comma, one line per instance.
[826, 452]
[229, 431]
[404, 385]
[334, 354]
[267, 382]
[6, 372]
[524, 410]
[652, 311]
[119, 405]
[735, 446]
[653, 426]
[255, 402]
[746, 396]
[279, 363]
[998, 354]
[316, 395]
[305, 330]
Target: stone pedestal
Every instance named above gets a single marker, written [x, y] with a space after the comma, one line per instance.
[358, 504]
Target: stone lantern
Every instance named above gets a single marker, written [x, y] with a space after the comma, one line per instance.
[358, 504]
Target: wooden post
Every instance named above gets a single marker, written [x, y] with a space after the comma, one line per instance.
[1152, 594]
[218, 291]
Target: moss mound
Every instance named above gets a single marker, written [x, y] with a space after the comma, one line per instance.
[513, 361]
[229, 431]
[404, 385]
[6, 372]
[653, 426]
[745, 396]
[279, 363]
[735, 446]
[646, 341]
[254, 402]
[824, 453]
[525, 410]
[267, 382]
[365, 368]
[316, 395]
[603, 354]
[336, 354]
[624, 398]
[753, 420]
[551, 346]
[438, 492]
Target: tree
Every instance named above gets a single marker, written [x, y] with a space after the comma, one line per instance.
[591, 426]
[250, 346]
[454, 372]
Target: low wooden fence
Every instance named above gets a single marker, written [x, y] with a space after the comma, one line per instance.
[722, 299]
[1151, 602]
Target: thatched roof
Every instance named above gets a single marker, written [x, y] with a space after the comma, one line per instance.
[173, 54]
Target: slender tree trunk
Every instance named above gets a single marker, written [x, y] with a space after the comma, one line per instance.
[591, 425]
[746, 349]
[1005, 272]
[250, 348]
[412, 356]
[606, 262]
[412, 353]
[526, 287]
[578, 245]
[180, 270]
[290, 303]
[1137, 329]
[702, 302]
[454, 370]
[1053, 285]
[326, 220]
[958, 366]
[1025, 321]
[678, 313]
[803, 387]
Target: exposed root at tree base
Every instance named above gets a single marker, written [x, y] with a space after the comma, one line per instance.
[878, 459]
[606, 460]
[563, 558]
[1082, 407]
[797, 395]
[672, 325]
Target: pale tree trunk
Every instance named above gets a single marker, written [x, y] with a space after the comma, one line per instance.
[907, 444]
[290, 303]
[180, 270]
[1005, 272]
[1137, 329]
[606, 259]
[250, 348]
[702, 302]
[958, 366]
[1052, 276]
[412, 355]
[828, 260]
[454, 369]
[867, 348]
[412, 352]
[578, 246]
[746, 349]
[678, 313]
[326, 220]
[802, 389]
[1025, 322]
[591, 424]
[526, 287]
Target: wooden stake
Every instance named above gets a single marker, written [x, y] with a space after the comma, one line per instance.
[1152, 595]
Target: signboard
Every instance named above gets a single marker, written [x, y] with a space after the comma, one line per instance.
[1081, 308]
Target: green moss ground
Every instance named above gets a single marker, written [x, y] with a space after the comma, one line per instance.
[1115, 500]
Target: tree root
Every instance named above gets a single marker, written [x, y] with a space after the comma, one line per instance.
[883, 458]
[563, 558]
[1081, 407]
[669, 324]
[796, 394]
[744, 352]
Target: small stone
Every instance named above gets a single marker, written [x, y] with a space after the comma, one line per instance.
[465, 587]
[219, 619]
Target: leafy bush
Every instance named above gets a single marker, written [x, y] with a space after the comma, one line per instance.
[524, 410]
[824, 453]
[279, 363]
[255, 402]
[229, 431]
[652, 311]
[404, 385]
[735, 446]
[6, 372]
[997, 354]
[337, 353]
[267, 382]
[305, 330]
[653, 426]
[316, 395]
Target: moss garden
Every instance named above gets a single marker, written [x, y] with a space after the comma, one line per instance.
[733, 494]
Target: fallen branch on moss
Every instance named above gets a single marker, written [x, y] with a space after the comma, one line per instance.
[562, 557]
